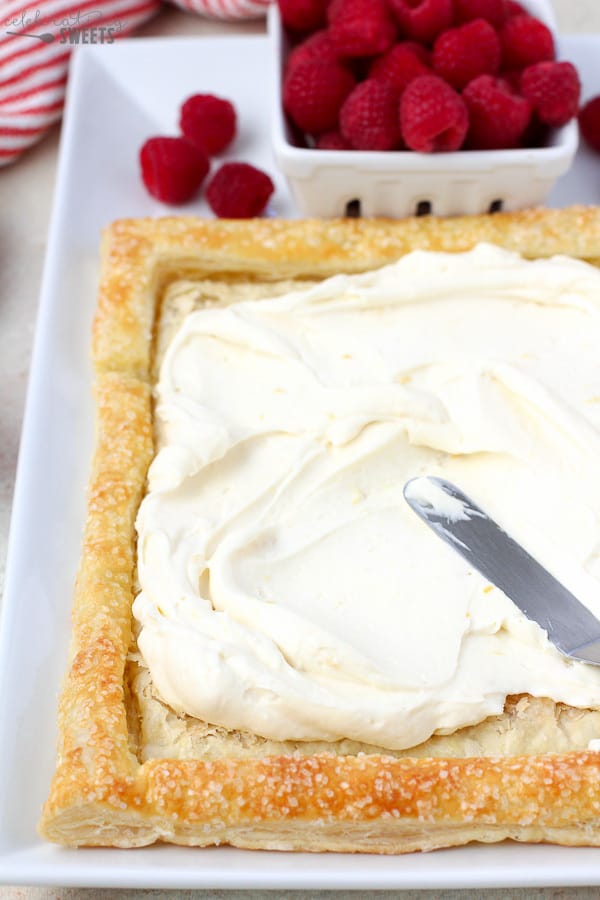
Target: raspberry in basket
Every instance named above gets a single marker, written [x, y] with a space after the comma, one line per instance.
[400, 65]
[369, 116]
[208, 122]
[498, 117]
[361, 28]
[422, 20]
[303, 15]
[589, 122]
[238, 191]
[317, 46]
[514, 8]
[525, 41]
[461, 54]
[493, 11]
[313, 92]
[332, 140]
[172, 168]
[433, 117]
[553, 89]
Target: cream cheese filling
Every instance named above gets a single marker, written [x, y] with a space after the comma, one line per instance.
[286, 586]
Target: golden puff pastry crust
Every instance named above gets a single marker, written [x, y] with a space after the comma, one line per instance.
[108, 789]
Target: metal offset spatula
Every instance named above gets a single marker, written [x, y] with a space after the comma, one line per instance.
[461, 523]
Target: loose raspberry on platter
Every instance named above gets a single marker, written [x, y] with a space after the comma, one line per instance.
[493, 11]
[461, 54]
[208, 122]
[433, 117]
[525, 41]
[422, 20]
[553, 89]
[313, 92]
[369, 116]
[589, 122]
[317, 46]
[303, 15]
[332, 140]
[399, 65]
[362, 28]
[172, 168]
[238, 191]
[498, 117]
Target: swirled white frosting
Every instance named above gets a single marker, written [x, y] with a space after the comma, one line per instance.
[286, 586]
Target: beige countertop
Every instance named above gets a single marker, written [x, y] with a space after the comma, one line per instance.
[26, 191]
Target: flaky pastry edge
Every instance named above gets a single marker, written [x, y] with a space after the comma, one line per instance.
[100, 794]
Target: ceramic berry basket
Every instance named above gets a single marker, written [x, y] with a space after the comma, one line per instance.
[329, 183]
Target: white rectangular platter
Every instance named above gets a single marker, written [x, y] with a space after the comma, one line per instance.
[119, 95]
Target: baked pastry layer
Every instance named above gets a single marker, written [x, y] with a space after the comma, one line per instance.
[103, 793]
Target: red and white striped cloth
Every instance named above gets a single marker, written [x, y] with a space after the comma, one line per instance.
[35, 49]
[225, 9]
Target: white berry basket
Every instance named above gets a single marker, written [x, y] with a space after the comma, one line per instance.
[328, 183]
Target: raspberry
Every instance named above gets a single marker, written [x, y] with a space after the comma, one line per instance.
[536, 134]
[313, 92]
[238, 191]
[334, 8]
[432, 115]
[493, 11]
[208, 122]
[361, 28]
[422, 20]
[553, 89]
[512, 78]
[525, 41]
[369, 116]
[461, 54]
[400, 65]
[420, 51]
[303, 15]
[513, 8]
[332, 140]
[172, 169]
[589, 122]
[317, 46]
[498, 118]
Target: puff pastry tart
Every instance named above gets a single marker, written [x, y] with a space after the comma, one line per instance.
[269, 650]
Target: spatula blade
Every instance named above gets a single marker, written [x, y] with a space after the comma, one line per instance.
[455, 518]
